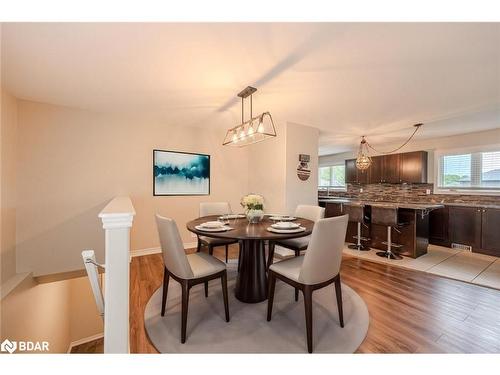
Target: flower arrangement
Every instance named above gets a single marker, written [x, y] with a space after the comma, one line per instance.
[254, 207]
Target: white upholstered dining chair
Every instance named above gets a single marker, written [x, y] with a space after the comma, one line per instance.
[319, 267]
[188, 270]
[214, 208]
[309, 212]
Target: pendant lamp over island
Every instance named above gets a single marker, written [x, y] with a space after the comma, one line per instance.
[363, 160]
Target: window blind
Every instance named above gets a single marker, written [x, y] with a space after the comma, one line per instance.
[472, 171]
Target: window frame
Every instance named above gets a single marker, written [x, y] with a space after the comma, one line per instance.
[438, 154]
[331, 187]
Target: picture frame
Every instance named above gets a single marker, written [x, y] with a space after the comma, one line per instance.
[178, 173]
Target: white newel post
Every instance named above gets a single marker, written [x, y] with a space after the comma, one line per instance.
[117, 219]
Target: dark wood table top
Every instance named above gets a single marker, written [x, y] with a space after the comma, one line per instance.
[245, 231]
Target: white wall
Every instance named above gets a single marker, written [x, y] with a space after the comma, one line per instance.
[267, 170]
[73, 162]
[490, 137]
[301, 139]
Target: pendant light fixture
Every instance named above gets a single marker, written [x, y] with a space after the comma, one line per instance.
[256, 129]
[363, 160]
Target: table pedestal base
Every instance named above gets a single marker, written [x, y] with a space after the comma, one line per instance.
[251, 284]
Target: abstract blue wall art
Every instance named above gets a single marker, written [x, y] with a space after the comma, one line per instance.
[180, 173]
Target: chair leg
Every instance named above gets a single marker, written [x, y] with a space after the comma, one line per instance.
[185, 303]
[166, 278]
[227, 250]
[198, 249]
[270, 256]
[210, 250]
[308, 310]
[206, 288]
[270, 295]
[338, 292]
[223, 280]
[297, 254]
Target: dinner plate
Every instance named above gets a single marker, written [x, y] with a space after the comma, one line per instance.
[219, 229]
[232, 216]
[282, 218]
[297, 230]
[286, 225]
[212, 224]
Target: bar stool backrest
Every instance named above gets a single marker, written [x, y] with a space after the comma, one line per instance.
[387, 216]
[355, 212]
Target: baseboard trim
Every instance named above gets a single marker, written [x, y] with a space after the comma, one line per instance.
[157, 250]
[85, 340]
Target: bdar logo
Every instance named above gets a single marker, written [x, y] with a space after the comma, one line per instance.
[8, 346]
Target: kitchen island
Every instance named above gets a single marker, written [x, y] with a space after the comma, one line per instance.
[413, 236]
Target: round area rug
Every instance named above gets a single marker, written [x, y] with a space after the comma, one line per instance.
[248, 330]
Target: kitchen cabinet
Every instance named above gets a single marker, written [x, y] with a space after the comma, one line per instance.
[490, 231]
[391, 168]
[465, 226]
[409, 167]
[376, 170]
[438, 227]
[351, 172]
[353, 175]
[413, 167]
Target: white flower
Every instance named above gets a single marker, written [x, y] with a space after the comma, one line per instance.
[253, 201]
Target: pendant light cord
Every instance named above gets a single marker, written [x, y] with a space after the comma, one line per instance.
[417, 126]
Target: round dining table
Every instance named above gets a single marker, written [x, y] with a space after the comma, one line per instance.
[251, 284]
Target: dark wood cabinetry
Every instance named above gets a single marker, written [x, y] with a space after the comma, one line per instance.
[410, 167]
[391, 168]
[376, 170]
[472, 226]
[413, 167]
[351, 172]
[490, 231]
[353, 175]
[438, 227]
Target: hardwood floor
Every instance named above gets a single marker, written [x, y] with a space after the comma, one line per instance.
[410, 311]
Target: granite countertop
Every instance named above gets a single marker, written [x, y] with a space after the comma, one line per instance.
[416, 206]
[411, 206]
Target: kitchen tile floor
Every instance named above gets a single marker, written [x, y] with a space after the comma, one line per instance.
[452, 263]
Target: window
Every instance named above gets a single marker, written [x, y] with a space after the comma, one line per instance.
[469, 171]
[332, 176]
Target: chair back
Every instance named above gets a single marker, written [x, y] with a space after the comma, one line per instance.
[387, 216]
[174, 257]
[356, 212]
[214, 208]
[313, 213]
[324, 253]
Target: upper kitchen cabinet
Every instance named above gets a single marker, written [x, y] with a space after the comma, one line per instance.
[392, 166]
[376, 170]
[353, 175]
[351, 172]
[413, 167]
[410, 167]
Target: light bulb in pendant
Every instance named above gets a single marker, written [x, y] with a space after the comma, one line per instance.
[260, 129]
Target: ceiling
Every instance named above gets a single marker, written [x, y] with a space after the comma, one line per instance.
[347, 79]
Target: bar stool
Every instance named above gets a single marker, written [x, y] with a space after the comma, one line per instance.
[387, 216]
[356, 214]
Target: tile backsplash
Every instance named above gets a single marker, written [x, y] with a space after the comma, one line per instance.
[413, 193]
